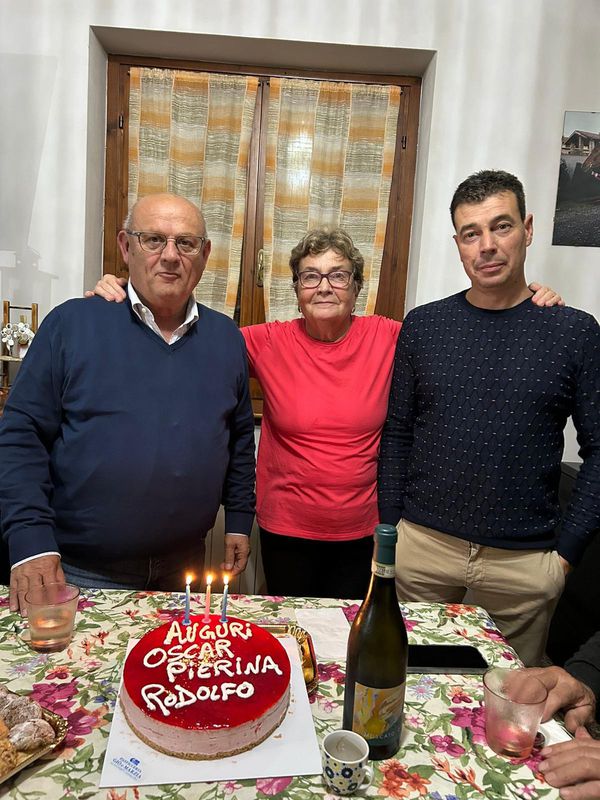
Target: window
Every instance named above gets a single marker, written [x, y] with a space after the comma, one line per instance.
[393, 232]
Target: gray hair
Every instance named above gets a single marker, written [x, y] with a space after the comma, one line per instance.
[318, 241]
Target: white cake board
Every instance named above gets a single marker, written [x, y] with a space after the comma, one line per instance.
[292, 749]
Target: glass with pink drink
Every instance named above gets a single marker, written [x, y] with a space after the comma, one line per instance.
[514, 704]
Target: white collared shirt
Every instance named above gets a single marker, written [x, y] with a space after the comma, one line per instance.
[147, 317]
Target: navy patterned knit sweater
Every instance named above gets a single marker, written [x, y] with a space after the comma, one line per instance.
[474, 436]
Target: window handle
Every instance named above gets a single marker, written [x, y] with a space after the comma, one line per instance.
[260, 267]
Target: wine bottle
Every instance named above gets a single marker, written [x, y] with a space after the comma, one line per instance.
[377, 656]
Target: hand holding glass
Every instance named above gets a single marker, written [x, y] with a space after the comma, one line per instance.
[514, 705]
[50, 614]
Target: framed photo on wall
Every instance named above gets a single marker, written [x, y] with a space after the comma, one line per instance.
[577, 214]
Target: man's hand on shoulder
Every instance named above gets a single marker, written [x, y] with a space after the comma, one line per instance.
[544, 295]
[574, 767]
[37, 571]
[237, 550]
[110, 288]
[567, 694]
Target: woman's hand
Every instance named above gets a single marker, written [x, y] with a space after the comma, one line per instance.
[110, 288]
[544, 295]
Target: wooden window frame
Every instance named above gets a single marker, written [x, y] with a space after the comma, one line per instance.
[394, 268]
[391, 292]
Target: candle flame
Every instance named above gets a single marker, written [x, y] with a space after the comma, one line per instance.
[225, 580]
[188, 579]
[209, 579]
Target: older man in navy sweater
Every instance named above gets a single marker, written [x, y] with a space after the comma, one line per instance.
[128, 425]
[484, 382]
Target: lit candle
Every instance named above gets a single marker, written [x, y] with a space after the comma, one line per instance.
[209, 578]
[186, 616]
[225, 593]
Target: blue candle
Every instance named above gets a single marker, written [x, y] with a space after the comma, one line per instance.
[186, 616]
[225, 593]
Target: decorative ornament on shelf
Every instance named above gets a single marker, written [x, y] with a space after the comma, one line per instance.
[17, 337]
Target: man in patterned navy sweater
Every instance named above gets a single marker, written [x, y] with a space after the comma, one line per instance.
[484, 382]
[128, 425]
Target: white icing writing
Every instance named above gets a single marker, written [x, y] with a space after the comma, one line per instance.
[186, 634]
[159, 697]
[201, 652]
[180, 663]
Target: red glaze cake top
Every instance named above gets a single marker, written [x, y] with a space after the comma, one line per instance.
[204, 676]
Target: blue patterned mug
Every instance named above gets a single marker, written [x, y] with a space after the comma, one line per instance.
[345, 755]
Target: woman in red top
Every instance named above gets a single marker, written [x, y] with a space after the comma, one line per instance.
[325, 379]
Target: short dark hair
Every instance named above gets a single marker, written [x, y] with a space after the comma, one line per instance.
[481, 185]
[319, 241]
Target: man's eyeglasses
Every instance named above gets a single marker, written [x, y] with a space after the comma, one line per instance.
[187, 244]
[339, 278]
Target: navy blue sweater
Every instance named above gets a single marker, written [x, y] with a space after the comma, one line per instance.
[114, 444]
[474, 436]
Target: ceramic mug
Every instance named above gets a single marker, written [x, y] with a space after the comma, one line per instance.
[345, 755]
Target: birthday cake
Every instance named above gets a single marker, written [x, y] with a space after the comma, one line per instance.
[207, 689]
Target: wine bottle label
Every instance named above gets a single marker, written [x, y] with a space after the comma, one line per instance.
[383, 570]
[377, 713]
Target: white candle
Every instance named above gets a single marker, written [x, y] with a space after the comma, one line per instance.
[186, 616]
[225, 593]
[209, 578]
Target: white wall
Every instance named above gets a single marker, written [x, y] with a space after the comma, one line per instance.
[494, 96]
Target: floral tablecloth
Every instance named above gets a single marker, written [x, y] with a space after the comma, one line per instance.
[443, 755]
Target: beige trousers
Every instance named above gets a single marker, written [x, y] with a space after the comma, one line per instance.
[518, 588]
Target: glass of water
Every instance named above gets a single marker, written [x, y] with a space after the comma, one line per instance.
[51, 615]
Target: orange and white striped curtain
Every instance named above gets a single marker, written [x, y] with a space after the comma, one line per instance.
[330, 154]
[189, 133]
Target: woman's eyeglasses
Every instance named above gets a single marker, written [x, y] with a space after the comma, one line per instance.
[338, 278]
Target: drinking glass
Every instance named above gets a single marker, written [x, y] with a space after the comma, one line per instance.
[514, 705]
[50, 615]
